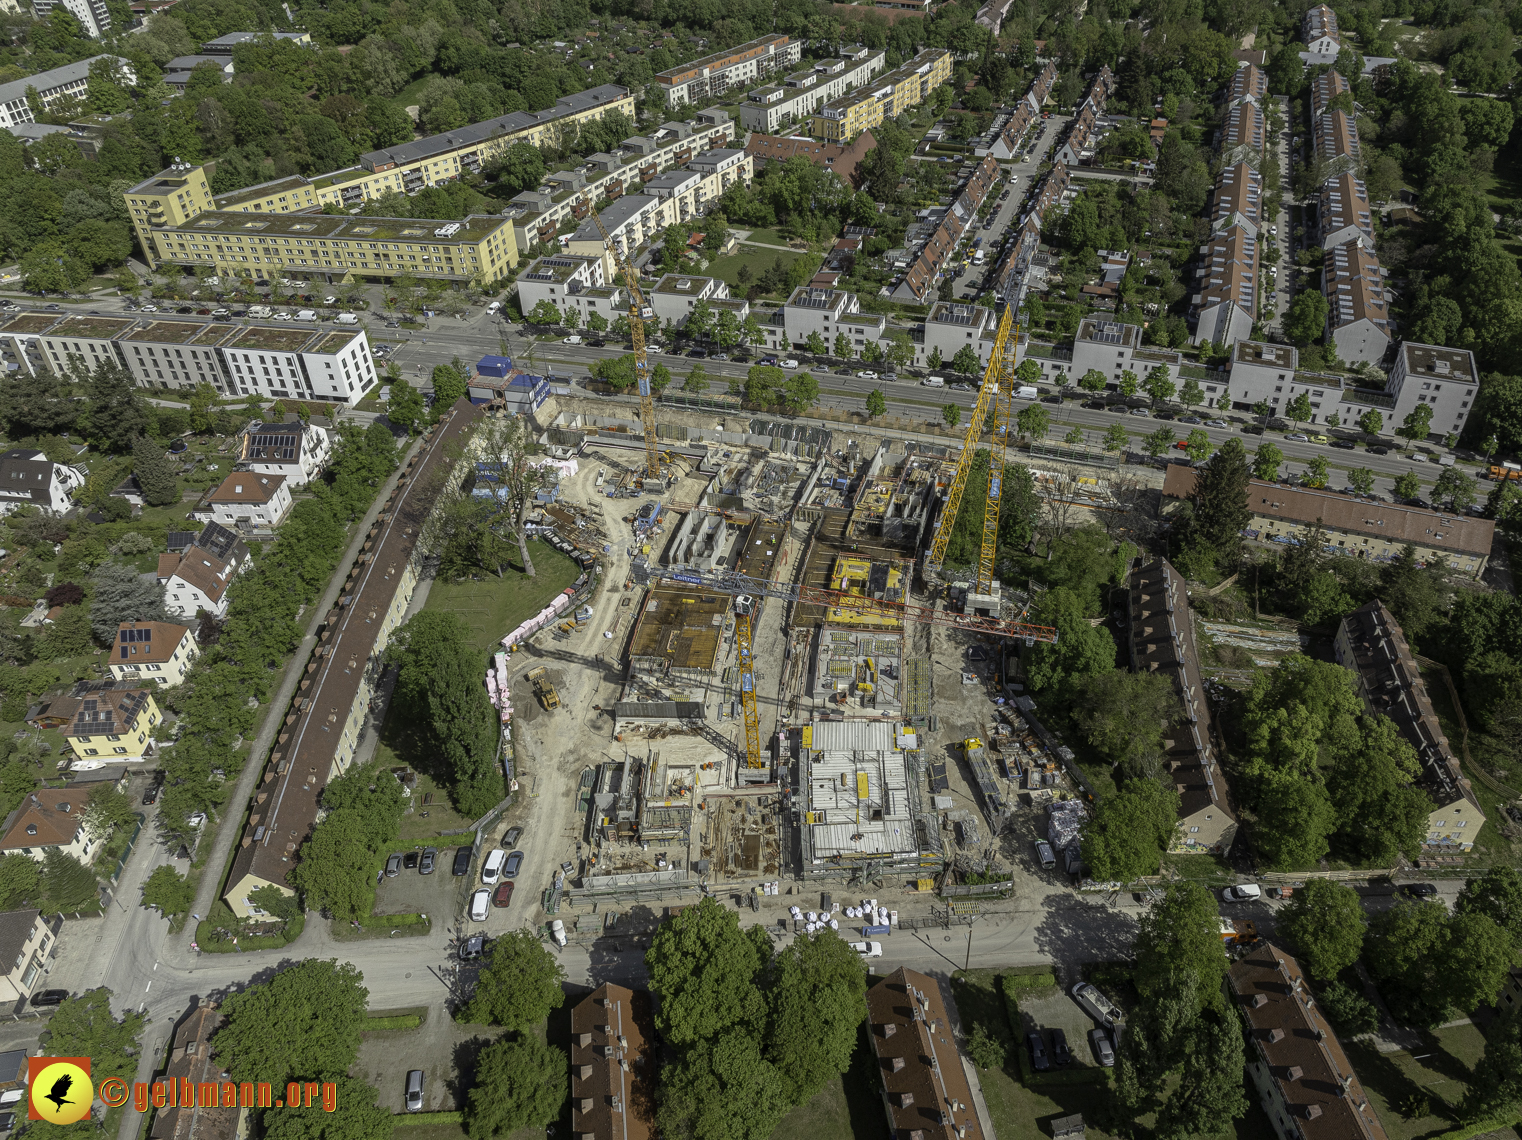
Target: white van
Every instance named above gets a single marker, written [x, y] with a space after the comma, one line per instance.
[346, 319]
[307, 315]
[979, 257]
[933, 382]
[1026, 392]
[260, 312]
[491, 310]
[491, 870]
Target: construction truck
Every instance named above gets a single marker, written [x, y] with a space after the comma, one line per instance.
[1239, 932]
[973, 750]
[1505, 470]
[540, 679]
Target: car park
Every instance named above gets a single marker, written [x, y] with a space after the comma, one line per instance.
[503, 894]
[394, 865]
[411, 860]
[461, 861]
[513, 865]
[1243, 892]
[1104, 1053]
[480, 900]
[1040, 1061]
[492, 868]
[430, 855]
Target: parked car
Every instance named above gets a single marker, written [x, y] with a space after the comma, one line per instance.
[1297, 436]
[491, 870]
[866, 375]
[1379, 450]
[572, 339]
[1060, 1051]
[511, 836]
[461, 861]
[472, 947]
[557, 931]
[1419, 890]
[49, 997]
[415, 1091]
[1099, 1041]
[1039, 1059]
[430, 854]
[1190, 420]
[867, 949]
[513, 866]
[1141, 412]
[788, 363]
[1344, 444]
[1252, 429]
[394, 865]
[1321, 439]
[411, 860]
[767, 360]
[1243, 892]
[503, 894]
[479, 901]
[151, 796]
[1218, 424]
[697, 354]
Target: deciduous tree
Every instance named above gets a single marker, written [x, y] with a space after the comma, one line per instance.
[120, 594]
[1326, 922]
[521, 1082]
[169, 891]
[1128, 832]
[303, 1023]
[520, 985]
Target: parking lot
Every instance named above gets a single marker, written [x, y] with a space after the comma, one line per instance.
[439, 895]
[1047, 1009]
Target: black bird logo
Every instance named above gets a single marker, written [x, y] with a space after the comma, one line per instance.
[60, 1091]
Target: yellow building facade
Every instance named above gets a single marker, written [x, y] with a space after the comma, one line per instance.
[841, 120]
[113, 725]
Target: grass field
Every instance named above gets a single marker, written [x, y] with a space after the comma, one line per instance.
[758, 259]
[1441, 1071]
[493, 606]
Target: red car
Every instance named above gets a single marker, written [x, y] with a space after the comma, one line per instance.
[1182, 445]
[503, 894]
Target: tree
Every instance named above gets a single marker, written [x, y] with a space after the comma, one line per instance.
[876, 403]
[1199, 446]
[154, 473]
[1407, 485]
[448, 387]
[1417, 424]
[84, 1026]
[1498, 895]
[1295, 819]
[1129, 383]
[935, 359]
[1074, 436]
[519, 987]
[1266, 461]
[438, 689]
[520, 168]
[1191, 393]
[1305, 319]
[700, 321]
[597, 322]
[1298, 409]
[1209, 1094]
[1082, 650]
[1495, 1082]
[544, 312]
[1092, 381]
[843, 346]
[872, 352]
[1219, 503]
[725, 1091]
[817, 1000]
[1158, 441]
[1326, 922]
[1128, 832]
[1159, 385]
[122, 595]
[1371, 422]
[114, 410]
[800, 393]
[815, 344]
[1456, 488]
[105, 810]
[1413, 594]
[19, 878]
[1179, 941]
[168, 890]
[336, 870]
[405, 407]
[507, 454]
[36, 404]
[68, 886]
[277, 903]
[697, 380]
[965, 361]
[951, 415]
[660, 379]
[703, 969]
[1361, 479]
[520, 1083]
[1317, 471]
[1116, 438]
[304, 1023]
[357, 1117]
[1032, 421]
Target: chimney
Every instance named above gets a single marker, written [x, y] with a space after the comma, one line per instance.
[897, 1064]
[1312, 1111]
[888, 1028]
[1295, 1073]
[1259, 1001]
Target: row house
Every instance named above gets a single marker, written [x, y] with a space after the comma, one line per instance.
[1014, 272]
[1320, 35]
[1324, 88]
[1248, 84]
[1344, 214]
[924, 272]
[1358, 314]
[713, 75]
[1238, 200]
[886, 97]
[1081, 140]
[1227, 302]
[768, 109]
[1027, 111]
[1243, 136]
[1335, 137]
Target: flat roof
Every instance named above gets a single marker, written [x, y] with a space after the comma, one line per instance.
[211, 334]
[30, 323]
[1437, 361]
[330, 226]
[167, 332]
[263, 190]
[332, 343]
[1269, 355]
[97, 328]
[682, 624]
[272, 339]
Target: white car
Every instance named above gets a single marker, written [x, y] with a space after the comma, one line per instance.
[330, 300]
[150, 308]
[492, 868]
[1298, 437]
[480, 902]
[1246, 892]
[868, 949]
[571, 340]
[789, 363]
[283, 316]
[866, 375]
[1218, 424]
[557, 932]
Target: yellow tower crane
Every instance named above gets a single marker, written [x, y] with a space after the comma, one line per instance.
[995, 396]
[637, 311]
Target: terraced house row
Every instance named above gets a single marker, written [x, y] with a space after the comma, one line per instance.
[278, 361]
[924, 273]
[1083, 134]
[1026, 112]
[841, 120]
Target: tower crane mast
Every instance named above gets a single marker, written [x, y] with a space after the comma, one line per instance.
[637, 309]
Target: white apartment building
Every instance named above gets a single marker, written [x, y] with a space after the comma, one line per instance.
[952, 327]
[1110, 348]
[72, 79]
[28, 478]
[298, 451]
[574, 284]
[1445, 378]
[828, 312]
[93, 15]
[713, 75]
[635, 219]
[790, 103]
[675, 294]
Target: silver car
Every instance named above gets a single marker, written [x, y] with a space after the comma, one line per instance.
[415, 1091]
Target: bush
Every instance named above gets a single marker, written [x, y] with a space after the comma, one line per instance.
[1349, 1010]
[986, 1051]
[1414, 1105]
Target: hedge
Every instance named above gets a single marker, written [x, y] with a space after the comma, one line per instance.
[254, 941]
[419, 1119]
[379, 920]
[1468, 1131]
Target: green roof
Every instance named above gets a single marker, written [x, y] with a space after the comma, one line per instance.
[99, 328]
[168, 332]
[271, 339]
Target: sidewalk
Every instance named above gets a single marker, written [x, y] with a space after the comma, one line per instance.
[180, 954]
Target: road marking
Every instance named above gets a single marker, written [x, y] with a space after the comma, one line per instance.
[155, 965]
[148, 987]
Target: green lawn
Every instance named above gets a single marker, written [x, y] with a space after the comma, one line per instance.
[493, 606]
[768, 237]
[1440, 1070]
[1490, 846]
[758, 259]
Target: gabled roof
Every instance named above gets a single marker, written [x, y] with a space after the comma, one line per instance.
[915, 1052]
[49, 817]
[147, 642]
[611, 1069]
[246, 487]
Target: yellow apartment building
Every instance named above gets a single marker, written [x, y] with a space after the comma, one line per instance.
[841, 120]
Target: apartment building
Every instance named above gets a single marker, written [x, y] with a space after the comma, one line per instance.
[28, 478]
[1344, 213]
[828, 312]
[1324, 88]
[198, 577]
[1109, 348]
[52, 819]
[153, 651]
[951, 327]
[1371, 645]
[115, 725]
[924, 1084]
[574, 285]
[28, 942]
[223, 45]
[1304, 1080]
[891, 94]
[723, 71]
[675, 295]
[1445, 378]
[569, 195]
[323, 728]
[299, 451]
[1161, 640]
[178, 71]
[678, 196]
[1335, 136]
[612, 1065]
[1227, 303]
[790, 103]
[919, 281]
[1319, 32]
[1248, 83]
[1354, 527]
[71, 81]
[1358, 316]
[93, 15]
[845, 161]
[181, 192]
[1238, 200]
